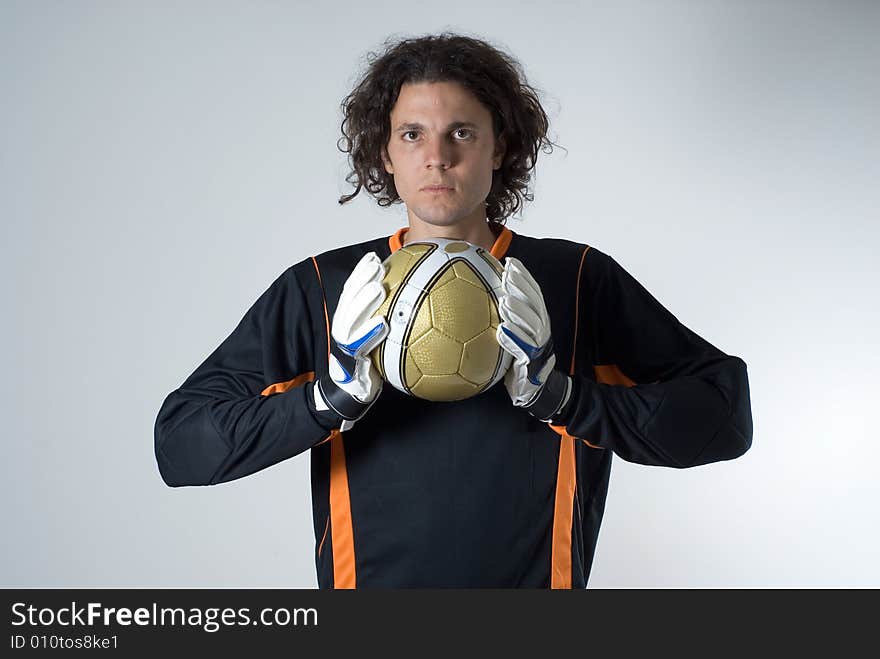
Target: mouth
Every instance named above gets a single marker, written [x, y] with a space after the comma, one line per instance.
[437, 188]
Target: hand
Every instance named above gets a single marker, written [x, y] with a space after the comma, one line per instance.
[354, 384]
[532, 380]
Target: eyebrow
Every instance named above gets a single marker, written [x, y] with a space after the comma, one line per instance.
[417, 126]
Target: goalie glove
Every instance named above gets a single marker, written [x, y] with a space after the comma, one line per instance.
[532, 380]
[353, 383]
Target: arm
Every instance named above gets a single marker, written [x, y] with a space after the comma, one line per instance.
[688, 403]
[227, 420]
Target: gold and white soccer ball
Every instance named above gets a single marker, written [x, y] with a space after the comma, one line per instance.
[442, 313]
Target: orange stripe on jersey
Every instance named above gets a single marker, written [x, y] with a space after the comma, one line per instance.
[611, 374]
[326, 439]
[324, 537]
[566, 477]
[395, 241]
[281, 387]
[341, 531]
[566, 482]
[502, 242]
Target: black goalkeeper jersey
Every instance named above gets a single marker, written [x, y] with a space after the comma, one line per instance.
[471, 493]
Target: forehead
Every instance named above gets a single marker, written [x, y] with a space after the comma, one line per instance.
[424, 100]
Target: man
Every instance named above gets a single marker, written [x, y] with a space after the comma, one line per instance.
[504, 489]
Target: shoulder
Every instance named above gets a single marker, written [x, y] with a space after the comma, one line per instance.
[344, 258]
[351, 254]
[592, 263]
[309, 272]
[544, 247]
[327, 271]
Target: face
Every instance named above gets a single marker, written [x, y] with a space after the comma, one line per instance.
[441, 135]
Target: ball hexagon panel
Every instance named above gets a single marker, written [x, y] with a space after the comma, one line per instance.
[460, 309]
[435, 354]
[479, 357]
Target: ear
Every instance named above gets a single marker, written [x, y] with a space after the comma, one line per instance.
[387, 161]
[500, 150]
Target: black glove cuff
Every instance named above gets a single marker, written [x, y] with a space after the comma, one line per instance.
[341, 402]
[551, 396]
[328, 419]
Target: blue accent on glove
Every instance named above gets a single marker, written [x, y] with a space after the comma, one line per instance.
[527, 348]
[348, 376]
[353, 347]
[537, 355]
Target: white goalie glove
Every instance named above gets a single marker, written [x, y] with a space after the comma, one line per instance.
[532, 381]
[354, 384]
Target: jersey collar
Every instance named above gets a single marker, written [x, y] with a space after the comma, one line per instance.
[499, 248]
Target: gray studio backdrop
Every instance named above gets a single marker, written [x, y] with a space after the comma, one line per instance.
[162, 163]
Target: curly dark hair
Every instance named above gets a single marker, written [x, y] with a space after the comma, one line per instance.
[494, 77]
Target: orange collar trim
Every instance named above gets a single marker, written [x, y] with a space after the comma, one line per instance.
[499, 248]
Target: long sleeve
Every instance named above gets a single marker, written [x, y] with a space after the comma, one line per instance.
[227, 420]
[674, 399]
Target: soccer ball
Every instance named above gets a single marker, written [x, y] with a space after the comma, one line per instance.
[442, 313]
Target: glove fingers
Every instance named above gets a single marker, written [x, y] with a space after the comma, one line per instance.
[512, 290]
[355, 311]
[520, 314]
[368, 269]
[522, 279]
[518, 283]
[365, 269]
[365, 303]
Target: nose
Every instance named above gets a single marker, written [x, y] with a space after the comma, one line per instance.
[438, 154]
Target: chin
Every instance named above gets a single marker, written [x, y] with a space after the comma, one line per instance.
[440, 218]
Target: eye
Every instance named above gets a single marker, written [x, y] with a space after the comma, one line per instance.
[409, 132]
[466, 130]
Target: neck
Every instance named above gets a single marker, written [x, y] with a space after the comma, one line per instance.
[480, 233]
